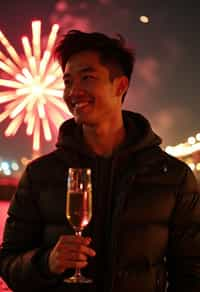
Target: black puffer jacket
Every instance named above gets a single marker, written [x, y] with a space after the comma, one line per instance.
[145, 227]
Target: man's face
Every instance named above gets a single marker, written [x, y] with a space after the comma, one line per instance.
[89, 93]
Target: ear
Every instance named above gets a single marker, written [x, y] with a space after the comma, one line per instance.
[122, 85]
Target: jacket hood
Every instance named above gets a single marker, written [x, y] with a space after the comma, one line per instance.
[139, 133]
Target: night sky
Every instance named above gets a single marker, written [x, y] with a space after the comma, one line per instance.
[165, 86]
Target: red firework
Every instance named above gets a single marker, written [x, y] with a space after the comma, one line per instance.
[34, 87]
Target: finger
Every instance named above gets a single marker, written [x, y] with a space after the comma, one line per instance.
[67, 239]
[71, 248]
[82, 249]
[75, 256]
[74, 252]
[77, 248]
[63, 265]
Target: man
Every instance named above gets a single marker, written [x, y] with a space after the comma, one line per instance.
[144, 235]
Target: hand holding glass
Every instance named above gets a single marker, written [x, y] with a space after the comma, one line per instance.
[79, 208]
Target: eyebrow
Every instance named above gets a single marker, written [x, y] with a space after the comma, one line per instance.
[88, 69]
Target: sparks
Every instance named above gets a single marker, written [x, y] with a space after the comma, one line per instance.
[35, 87]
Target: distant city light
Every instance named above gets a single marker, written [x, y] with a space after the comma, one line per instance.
[8, 167]
[184, 151]
[198, 137]
[192, 166]
[198, 166]
[144, 19]
[191, 140]
[7, 172]
[14, 166]
[4, 165]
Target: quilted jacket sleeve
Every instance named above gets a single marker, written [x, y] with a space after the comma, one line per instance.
[22, 242]
[184, 240]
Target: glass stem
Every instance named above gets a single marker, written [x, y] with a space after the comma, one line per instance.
[78, 270]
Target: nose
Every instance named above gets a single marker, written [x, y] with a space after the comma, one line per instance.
[74, 88]
[73, 92]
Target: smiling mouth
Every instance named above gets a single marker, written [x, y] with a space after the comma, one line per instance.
[81, 104]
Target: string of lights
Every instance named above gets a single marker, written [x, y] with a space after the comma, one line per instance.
[188, 151]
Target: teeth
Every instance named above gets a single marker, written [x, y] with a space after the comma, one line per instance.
[80, 104]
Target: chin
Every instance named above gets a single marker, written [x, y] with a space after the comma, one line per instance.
[84, 121]
[80, 120]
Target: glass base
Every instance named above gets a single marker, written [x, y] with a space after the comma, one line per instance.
[78, 279]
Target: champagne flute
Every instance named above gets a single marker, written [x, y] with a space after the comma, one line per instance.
[79, 208]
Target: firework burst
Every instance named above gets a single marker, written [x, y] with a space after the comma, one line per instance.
[32, 92]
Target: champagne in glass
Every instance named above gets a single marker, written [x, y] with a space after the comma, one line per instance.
[79, 208]
[79, 211]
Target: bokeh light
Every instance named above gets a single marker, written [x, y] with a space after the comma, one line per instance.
[144, 19]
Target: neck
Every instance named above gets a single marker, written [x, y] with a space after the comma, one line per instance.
[105, 138]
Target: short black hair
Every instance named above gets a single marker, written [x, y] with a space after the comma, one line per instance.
[112, 51]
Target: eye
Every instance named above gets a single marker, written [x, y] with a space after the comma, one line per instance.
[88, 77]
